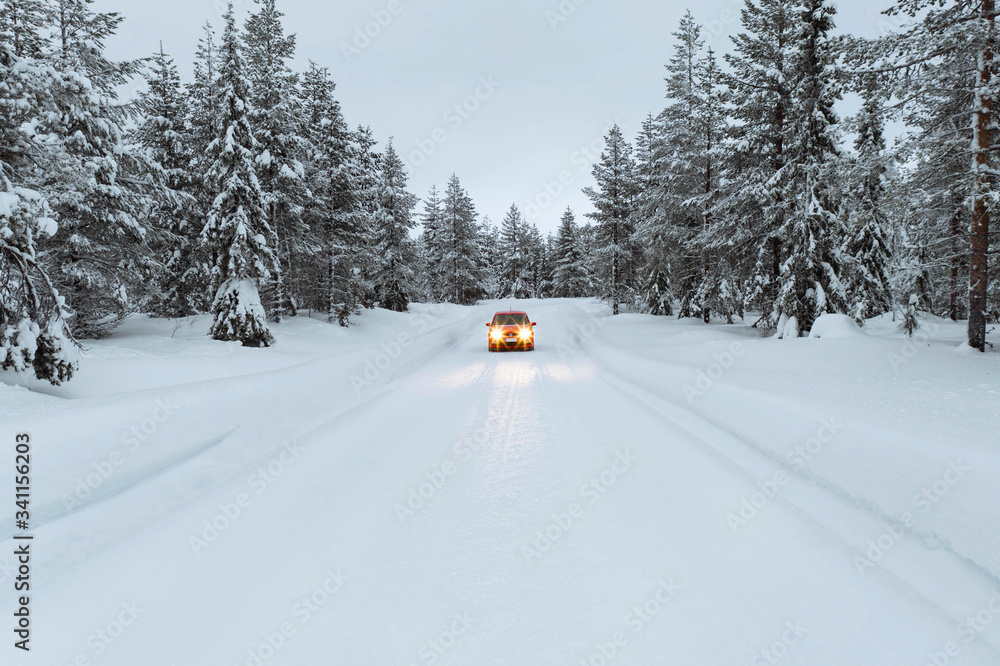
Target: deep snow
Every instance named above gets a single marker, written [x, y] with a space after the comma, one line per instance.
[638, 490]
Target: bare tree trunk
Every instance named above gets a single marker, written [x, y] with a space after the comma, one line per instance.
[331, 270]
[614, 268]
[956, 263]
[979, 241]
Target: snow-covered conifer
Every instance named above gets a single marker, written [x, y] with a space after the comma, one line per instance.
[237, 230]
[614, 198]
[394, 276]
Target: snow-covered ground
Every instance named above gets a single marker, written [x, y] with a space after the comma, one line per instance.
[638, 490]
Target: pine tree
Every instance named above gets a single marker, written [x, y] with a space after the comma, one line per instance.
[34, 335]
[203, 104]
[534, 251]
[677, 169]
[394, 278]
[866, 250]
[811, 265]
[614, 199]
[330, 176]
[462, 278]
[237, 230]
[162, 133]
[492, 257]
[753, 209]
[943, 64]
[717, 290]
[652, 223]
[433, 241]
[275, 117]
[360, 261]
[100, 192]
[513, 269]
[22, 25]
[570, 276]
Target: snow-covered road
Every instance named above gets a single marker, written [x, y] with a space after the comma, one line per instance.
[453, 506]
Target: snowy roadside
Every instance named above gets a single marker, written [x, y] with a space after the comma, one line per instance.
[907, 429]
[149, 402]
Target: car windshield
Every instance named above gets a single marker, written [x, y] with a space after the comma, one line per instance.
[510, 320]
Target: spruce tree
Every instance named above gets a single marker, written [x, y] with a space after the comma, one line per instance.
[570, 275]
[614, 199]
[514, 266]
[163, 134]
[717, 289]
[677, 153]
[276, 120]
[943, 66]
[433, 243]
[203, 106]
[810, 275]
[22, 26]
[330, 176]
[866, 250]
[360, 261]
[237, 229]
[394, 279]
[100, 191]
[492, 257]
[34, 334]
[753, 208]
[654, 232]
[463, 275]
[534, 249]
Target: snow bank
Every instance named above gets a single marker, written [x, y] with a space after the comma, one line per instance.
[835, 326]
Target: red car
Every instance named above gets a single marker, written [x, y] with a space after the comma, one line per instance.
[511, 331]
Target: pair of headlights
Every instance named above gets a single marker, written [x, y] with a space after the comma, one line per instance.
[523, 334]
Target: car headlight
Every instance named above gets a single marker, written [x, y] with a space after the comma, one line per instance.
[524, 334]
[496, 334]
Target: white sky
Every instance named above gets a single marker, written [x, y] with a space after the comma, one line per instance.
[561, 84]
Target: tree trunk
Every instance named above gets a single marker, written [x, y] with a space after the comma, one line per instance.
[331, 268]
[956, 263]
[979, 241]
[614, 268]
[278, 278]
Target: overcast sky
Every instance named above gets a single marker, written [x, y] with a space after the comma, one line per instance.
[537, 82]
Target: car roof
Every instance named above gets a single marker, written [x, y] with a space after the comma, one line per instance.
[511, 312]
